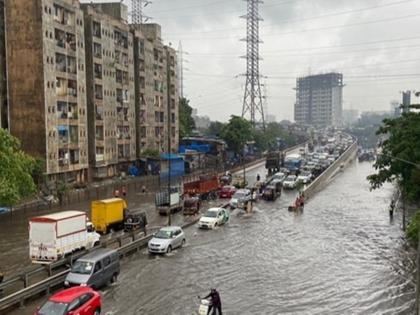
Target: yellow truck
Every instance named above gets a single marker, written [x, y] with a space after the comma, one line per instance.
[108, 213]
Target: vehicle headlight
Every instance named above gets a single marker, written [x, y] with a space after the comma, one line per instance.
[66, 283]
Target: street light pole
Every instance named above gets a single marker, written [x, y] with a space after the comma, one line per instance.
[168, 102]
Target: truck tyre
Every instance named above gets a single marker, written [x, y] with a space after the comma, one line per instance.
[182, 243]
[169, 249]
[97, 311]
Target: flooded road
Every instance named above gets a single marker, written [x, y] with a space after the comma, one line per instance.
[342, 255]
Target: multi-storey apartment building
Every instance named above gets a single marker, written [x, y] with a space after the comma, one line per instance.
[319, 100]
[47, 83]
[173, 96]
[156, 90]
[3, 76]
[110, 86]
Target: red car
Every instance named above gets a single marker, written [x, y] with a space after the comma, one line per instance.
[227, 192]
[73, 301]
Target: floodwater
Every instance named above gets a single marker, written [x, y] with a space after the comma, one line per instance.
[342, 255]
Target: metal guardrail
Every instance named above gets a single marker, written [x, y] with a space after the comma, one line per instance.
[57, 280]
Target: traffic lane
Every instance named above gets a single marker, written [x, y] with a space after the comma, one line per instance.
[176, 279]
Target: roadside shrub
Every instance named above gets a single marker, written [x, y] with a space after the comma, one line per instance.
[412, 231]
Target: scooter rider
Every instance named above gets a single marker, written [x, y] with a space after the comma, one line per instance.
[215, 301]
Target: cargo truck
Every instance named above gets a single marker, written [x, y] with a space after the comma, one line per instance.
[107, 214]
[53, 236]
[169, 203]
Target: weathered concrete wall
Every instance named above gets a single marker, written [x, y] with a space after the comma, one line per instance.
[323, 179]
[25, 68]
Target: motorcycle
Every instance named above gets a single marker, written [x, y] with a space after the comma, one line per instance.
[204, 307]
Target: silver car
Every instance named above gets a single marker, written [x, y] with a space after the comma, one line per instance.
[167, 239]
[240, 198]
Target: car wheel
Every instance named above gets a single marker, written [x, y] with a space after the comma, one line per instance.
[169, 249]
[182, 243]
[97, 311]
[114, 278]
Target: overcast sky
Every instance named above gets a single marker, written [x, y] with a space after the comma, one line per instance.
[374, 43]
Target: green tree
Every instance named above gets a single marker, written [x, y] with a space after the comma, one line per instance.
[16, 167]
[215, 129]
[186, 122]
[236, 133]
[413, 229]
[400, 155]
[151, 153]
[267, 140]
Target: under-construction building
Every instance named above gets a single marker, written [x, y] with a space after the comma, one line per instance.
[110, 88]
[47, 83]
[319, 100]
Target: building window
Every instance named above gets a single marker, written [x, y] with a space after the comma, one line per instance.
[96, 29]
[98, 70]
[98, 92]
[97, 50]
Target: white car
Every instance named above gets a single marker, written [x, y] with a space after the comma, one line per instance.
[167, 239]
[290, 182]
[279, 176]
[305, 177]
[213, 217]
[241, 197]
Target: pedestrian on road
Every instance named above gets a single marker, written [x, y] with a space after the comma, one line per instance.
[258, 177]
[116, 193]
[124, 191]
[391, 208]
[215, 301]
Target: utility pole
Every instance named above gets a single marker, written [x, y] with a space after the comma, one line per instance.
[168, 107]
[252, 102]
[137, 16]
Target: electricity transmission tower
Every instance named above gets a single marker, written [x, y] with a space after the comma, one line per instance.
[137, 16]
[252, 104]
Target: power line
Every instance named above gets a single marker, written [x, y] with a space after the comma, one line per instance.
[305, 19]
[318, 47]
[217, 13]
[405, 17]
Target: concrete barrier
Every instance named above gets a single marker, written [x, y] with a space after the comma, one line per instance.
[322, 179]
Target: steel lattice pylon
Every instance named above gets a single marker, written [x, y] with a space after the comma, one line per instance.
[252, 104]
[137, 16]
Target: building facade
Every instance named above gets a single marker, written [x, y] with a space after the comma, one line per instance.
[110, 89]
[87, 92]
[47, 84]
[319, 100]
[3, 73]
[157, 95]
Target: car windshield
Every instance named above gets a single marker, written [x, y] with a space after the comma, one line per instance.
[53, 308]
[82, 267]
[290, 178]
[211, 214]
[163, 234]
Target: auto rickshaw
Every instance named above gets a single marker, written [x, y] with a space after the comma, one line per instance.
[192, 205]
[272, 191]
